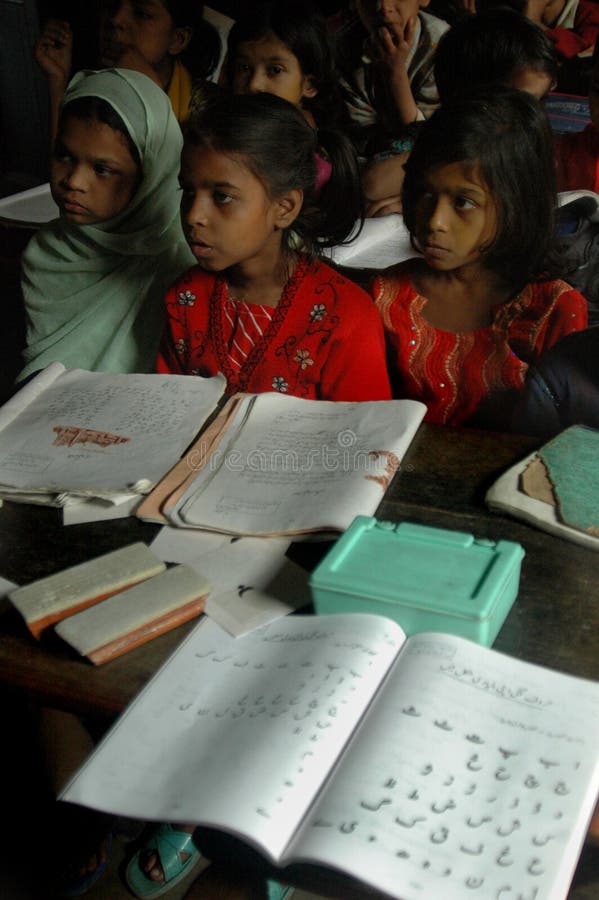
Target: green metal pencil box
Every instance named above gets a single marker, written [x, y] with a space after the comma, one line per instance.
[426, 579]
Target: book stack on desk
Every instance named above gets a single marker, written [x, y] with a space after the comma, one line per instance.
[271, 464]
[110, 604]
[71, 436]
[268, 464]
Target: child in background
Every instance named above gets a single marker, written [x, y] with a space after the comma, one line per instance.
[282, 47]
[168, 40]
[498, 47]
[464, 322]
[169, 36]
[385, 54]
[259, 306]
[94, 280]
[571, 25]
[577, 153]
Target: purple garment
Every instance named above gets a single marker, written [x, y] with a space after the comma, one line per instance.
[324, 169]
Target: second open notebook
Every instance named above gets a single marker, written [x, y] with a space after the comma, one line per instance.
[426, 767]
[271, 464]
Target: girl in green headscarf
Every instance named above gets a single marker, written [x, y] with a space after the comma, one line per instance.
[94, 280]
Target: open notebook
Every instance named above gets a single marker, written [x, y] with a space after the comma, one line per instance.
[271, 464]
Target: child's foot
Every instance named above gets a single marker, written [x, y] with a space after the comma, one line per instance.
[168, 856]
[78, 875]
[593, 832]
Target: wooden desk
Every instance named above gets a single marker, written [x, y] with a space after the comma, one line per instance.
[555, 621]
[443, 479]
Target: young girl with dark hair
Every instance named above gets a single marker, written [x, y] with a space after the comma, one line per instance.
[260, 306]
[300, 69]
[282, 47]
[464, 321]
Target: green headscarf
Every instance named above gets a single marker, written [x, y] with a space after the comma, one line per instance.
[94, 294]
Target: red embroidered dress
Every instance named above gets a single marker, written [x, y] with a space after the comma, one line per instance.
[577, 159]
[323, 341]
[244, 325]
[454, 372]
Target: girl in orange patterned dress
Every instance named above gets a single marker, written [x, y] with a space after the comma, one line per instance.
[464, 320]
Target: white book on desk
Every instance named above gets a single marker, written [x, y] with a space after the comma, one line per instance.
[98, 434]
[271, 464]
[30, 208]
[426, 767]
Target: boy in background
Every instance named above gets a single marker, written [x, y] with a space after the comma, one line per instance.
[385, 53]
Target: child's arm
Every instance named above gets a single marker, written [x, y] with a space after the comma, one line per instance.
[392, 48]
[168, 362]
[356, 367]
[552, 310]
[568, 41]
[382, 182]
[570, 313]
[172, 355]
[185, 336]
[53, 53]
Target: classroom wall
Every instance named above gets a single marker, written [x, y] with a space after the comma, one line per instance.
[23, 101]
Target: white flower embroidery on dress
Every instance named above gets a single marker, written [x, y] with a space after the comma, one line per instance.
[303, 358]
[181, 346]
[186, 298]
[318, 312]
[279, 384]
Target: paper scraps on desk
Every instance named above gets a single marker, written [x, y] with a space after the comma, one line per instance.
[557, 487]
[252, 581]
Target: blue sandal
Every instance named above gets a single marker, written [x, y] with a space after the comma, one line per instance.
[168, 844]
[80, 884]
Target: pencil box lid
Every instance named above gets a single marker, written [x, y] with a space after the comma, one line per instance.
[434, 570]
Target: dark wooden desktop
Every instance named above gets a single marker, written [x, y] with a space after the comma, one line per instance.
[442, 482]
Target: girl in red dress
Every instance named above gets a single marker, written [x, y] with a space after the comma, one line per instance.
[464, 321]
[260, 306]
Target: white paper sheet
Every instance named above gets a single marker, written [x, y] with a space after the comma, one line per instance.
[382, 242]
[95, 433]
[31, 207]
[252, 581]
